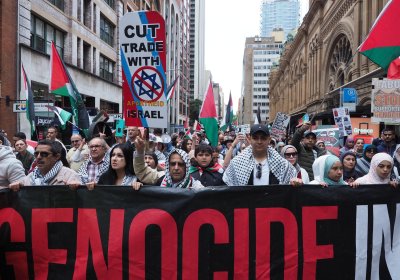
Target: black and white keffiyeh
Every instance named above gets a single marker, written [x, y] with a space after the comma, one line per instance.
[188, 181]
[128, 180]
[38, 179]
[103, 167]
[241, 167]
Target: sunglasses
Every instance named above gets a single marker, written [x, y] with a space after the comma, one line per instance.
[259, 171]
[42, 154]
[74, 141]
[289, 155]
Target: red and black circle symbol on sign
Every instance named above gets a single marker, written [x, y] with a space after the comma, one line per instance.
[148, 84]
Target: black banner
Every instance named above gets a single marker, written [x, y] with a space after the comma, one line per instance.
[273, 232]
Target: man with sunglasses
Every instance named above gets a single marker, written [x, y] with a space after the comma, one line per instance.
[78, 153]
[49, 169]
[260, 164]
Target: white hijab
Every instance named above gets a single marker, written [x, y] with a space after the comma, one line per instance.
[372, 177]
[318, 168]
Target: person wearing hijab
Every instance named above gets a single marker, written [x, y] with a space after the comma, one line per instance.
[348, 145]
[328, 171]
[359, 147]
[279, 146]
[380, 171]
[348, 160]
[363, 164]
[289, 153]
[177, 167]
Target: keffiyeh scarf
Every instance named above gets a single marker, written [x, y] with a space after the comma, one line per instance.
[38, 179]
[215, 168]
[103, 167]
[167, 181]
[241, 167]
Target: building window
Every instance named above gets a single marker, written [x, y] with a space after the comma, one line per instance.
[58, 3]
[43, 33]
[110, 3]
[106, 30]
[109, 107]
[106, 68]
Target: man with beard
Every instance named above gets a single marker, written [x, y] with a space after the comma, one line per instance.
[307, 151]
[260, 164]
[49, 169]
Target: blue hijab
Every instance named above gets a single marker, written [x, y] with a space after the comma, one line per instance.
[329, 162]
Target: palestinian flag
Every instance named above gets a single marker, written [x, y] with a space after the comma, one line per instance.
[62, 84]
[208, 116]
[228, 119]
[382, 45]
[30, 105]
[188, 134]
[303, 120]
[196, 126]
[63, 115]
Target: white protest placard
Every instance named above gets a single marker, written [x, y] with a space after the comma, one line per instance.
[244, 129]
[143, 50]
[385, 101]
[342, 120]
[278, 129]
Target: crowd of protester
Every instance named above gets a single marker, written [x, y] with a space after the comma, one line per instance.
[182, 161]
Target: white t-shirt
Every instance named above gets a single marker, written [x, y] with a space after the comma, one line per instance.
[264, 180]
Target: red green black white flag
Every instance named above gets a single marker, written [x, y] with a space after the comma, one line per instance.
[382, 45]
[62, 84]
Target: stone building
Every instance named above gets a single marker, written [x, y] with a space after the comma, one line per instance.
[260, 55]
[323, 58]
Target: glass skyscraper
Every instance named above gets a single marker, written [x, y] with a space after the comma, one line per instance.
[283, 14]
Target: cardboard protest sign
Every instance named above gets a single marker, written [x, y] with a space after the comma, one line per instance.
[385, 101]
[143, 50]
[342, 120]
[278, 129]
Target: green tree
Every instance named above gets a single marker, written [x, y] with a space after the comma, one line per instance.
[194, 108]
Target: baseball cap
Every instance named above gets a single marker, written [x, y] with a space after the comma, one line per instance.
[259, 128]
[310, 133]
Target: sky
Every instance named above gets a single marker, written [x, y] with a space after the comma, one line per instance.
[227, 24]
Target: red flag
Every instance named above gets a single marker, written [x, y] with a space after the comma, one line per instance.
[208, 116]
[383, 42]
[394, 69]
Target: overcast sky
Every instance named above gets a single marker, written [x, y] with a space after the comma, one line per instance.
[228, 23]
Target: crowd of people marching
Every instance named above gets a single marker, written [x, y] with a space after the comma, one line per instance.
[190, 162]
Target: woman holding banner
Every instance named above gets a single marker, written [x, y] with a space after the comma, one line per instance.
[289, 153]
[120, 170]
[380, 171]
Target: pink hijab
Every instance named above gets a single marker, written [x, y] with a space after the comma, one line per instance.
[372, 177]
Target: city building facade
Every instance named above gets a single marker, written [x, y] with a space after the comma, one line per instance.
[8, 64]
[198, 81]
[323, 58]
[85, 33]
[178, 63]
[260, 56]
[275, 14]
